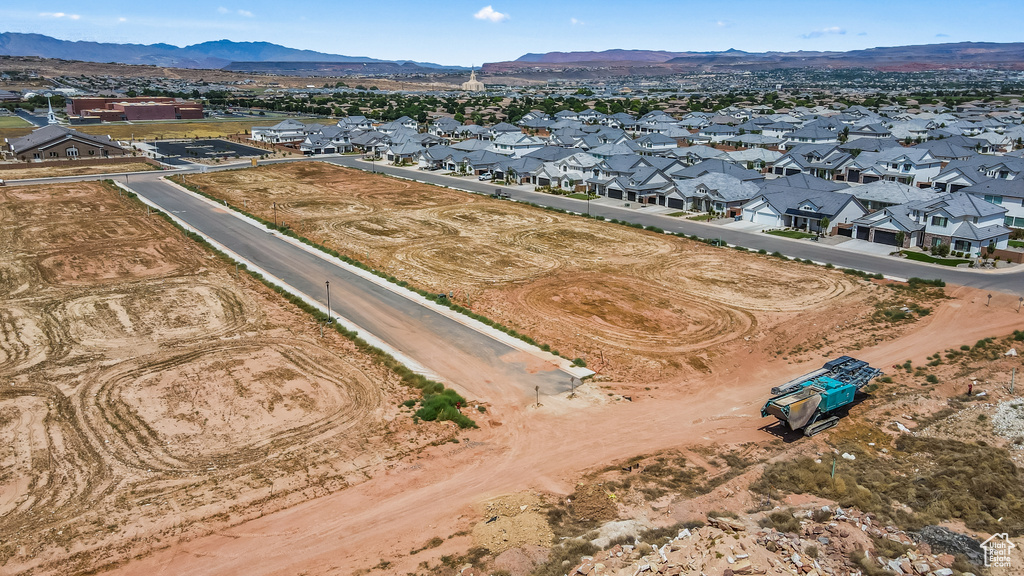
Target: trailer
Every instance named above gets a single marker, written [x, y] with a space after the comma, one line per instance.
[809, 402]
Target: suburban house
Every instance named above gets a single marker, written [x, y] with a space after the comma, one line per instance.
[515, 144]
[444, 126]
[646, 185]
[55, 142]
[712, 192]
[1009, 194]
[285, 132]
[329, 140]
[912, 166]
[883, 194]
[964, 222]
[809, 135]
[802, 208]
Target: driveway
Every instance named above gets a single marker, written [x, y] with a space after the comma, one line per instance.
[865, 247]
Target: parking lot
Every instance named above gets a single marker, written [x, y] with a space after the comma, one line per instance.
[205, 149]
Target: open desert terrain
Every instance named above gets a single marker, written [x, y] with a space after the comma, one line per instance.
[148, 393]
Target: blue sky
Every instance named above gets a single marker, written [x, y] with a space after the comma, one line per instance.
[473, 32]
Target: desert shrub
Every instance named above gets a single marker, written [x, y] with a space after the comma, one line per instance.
[811, 551]
[570, 551]
[781, 521]
[820, 515]
[867, 566]
[888, 548]
[443, 406]
[977, 484]
[932, 379]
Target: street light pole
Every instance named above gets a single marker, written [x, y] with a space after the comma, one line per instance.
[329, 319]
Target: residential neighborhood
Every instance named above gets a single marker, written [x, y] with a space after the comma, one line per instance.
[919, 180]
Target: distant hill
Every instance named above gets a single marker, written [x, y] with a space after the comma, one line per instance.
[215, 54]
[1008, 56]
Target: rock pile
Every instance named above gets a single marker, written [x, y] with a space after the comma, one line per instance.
[731, 547]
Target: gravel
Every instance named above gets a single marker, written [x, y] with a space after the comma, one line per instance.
[1008, 422]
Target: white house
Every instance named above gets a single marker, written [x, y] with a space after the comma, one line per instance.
[515, 144]
[802, 208]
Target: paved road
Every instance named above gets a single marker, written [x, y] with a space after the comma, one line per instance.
[1011, 282]
[457, 354]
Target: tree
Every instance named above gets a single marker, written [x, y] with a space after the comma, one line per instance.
[941, 250]
[823, 224]
[900, 237]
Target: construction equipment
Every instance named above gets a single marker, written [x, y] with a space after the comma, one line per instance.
[809, 402]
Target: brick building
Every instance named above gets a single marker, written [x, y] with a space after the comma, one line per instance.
[56, 142]
[116, 109]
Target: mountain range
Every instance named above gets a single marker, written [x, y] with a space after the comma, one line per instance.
[215, 54]
[274, 58]
[1007, 56]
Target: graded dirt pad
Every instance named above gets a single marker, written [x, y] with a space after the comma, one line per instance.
[43, 171]
[148, 394]
[636, 305]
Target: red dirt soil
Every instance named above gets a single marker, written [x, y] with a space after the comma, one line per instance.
[543, 449]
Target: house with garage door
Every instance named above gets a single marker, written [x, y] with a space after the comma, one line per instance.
[964, 222]
[647, 185]
[892, 226]
[803, 209]
[712, 192]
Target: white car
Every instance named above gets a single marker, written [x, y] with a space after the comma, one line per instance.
[485, 176]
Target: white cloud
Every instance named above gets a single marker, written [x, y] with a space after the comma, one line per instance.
[823, 32]
[575, 22]
[59, 15]
[240, 12]
[122, 19]
[721, 23]
[489, 13]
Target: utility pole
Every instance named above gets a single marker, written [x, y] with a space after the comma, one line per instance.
[537, 390]
[275, 214]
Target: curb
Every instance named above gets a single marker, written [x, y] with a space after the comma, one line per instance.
[563, 364]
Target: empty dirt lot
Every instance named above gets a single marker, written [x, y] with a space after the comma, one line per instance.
[147, 393]
[637, 306]
[41, 170]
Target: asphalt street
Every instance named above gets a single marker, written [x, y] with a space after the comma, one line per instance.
[459, 355]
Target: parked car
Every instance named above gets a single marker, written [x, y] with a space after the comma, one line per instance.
[485, 176]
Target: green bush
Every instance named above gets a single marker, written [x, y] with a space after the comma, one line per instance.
[444, 406]
[580, 362]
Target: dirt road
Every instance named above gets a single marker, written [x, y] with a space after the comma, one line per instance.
[542, 449]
